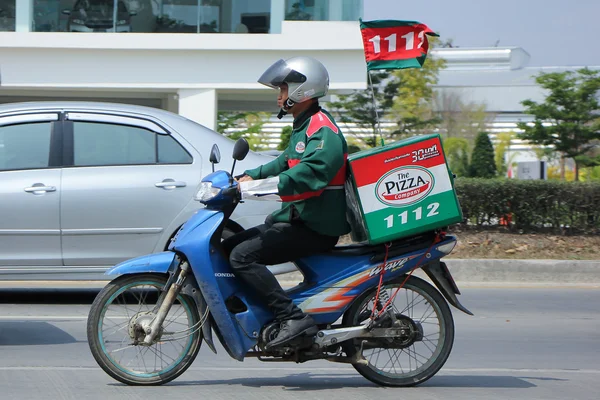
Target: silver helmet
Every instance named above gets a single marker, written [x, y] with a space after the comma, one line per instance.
[306, 78]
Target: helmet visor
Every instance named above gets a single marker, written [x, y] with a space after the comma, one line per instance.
[279, 73]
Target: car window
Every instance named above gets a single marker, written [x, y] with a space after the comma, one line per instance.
[25, 146]
[112, 144]
[171, 152]
[100, 144]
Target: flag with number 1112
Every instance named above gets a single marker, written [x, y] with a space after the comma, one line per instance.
[393, 44]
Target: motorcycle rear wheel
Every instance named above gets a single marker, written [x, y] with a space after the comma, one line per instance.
[113, 327]
[416, 363]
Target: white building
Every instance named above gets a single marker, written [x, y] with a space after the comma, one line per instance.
[191, 73]
[501, 79]
[195, 57]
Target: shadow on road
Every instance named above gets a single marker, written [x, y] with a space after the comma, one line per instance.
[48, 296]
[480, 381]
[23, 333]
[309, 381]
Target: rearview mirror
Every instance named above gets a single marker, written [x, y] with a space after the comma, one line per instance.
[215, 156]
[240, 149]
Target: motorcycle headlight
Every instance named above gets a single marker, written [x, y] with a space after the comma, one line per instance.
[122, 22]
[206, 191]
[78, 22]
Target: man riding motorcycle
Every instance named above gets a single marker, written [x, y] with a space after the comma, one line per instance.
[309, 178]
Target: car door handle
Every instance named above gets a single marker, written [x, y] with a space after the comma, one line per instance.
[40, 188]
[170, 184]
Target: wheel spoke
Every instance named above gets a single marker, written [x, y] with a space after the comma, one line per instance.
[161, 355]
[411, 306]
[115, 331]
[172, 320]
[428, 348]
[420, 307]
[412, 356]
[123, 348]
[428, 315]
[389, 361]
[133, 303]
[378, 353]
[144, 361]
[397, 357]
[143, 300]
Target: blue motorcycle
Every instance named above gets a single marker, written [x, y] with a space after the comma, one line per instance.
[146, 326]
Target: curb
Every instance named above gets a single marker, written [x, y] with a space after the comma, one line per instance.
[534, 271]
[499, 271]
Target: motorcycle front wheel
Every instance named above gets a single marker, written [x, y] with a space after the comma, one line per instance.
[116, 337]
[404, 361]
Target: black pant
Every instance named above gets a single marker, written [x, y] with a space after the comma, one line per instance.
[270, 244]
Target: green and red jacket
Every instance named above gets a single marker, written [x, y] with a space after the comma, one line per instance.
[312, 172]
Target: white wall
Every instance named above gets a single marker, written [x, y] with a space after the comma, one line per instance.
[197, 66]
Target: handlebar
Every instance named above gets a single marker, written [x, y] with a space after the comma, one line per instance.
[232, 191]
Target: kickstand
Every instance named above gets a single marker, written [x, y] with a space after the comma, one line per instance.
[358, 357]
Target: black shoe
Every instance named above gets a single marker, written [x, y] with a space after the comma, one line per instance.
[291, 329]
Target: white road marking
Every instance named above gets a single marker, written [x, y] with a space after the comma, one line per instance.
[330, 369]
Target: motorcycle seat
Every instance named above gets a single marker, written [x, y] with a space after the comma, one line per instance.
[397, 247]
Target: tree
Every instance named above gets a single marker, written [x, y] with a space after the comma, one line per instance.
[404, 97]
[244, 124]
[286, 134]
[226, 120]
[352, 148]
[504, 141]
[413, 107]
[358, 108]
[482, 159]
[458, 117]
[568, 119]
[457, 155]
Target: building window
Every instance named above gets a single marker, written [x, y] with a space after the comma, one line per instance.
[7, 15]
[168, 16]
[323, 10]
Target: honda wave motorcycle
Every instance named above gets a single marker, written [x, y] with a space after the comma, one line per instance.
[147, 325]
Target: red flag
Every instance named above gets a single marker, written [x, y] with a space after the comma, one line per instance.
[392, 44]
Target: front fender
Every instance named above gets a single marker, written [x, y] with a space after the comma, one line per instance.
[162, 263]
[157, 263]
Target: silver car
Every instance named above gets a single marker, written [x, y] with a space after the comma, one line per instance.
[84, 186]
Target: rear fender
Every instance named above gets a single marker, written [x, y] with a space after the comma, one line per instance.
[440, 275]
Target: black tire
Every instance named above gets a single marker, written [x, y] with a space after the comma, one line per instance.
[114, 291]
[438, 357]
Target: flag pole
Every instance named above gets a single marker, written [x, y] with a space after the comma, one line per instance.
[375, 108]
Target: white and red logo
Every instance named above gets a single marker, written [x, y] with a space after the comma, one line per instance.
[300, 147]
[404, 186]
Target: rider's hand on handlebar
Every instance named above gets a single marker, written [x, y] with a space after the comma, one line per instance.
[245, 178]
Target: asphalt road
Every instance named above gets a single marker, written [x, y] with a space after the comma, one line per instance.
[522, 343]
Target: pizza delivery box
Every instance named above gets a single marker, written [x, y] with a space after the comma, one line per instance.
[400, 190]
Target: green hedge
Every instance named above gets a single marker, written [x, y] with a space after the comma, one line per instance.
[530, 205]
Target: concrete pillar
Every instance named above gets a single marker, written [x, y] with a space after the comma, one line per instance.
[171, 103]
[199, 105]
[24, 15]
[277, 15]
